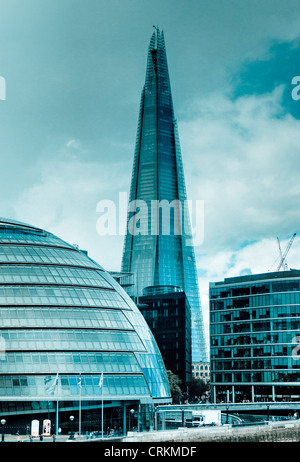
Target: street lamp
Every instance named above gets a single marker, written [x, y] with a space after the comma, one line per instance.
[3, 422]
[227, 409]
[132, 411]
[71, 420]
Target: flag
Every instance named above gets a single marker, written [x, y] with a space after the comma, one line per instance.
[79, 381]
[50, 383]
[55, 381]
[101, 380]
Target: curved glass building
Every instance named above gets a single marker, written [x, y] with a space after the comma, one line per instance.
[63, 322]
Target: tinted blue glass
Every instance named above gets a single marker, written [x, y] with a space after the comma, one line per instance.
[61, 313]
[255, 330]
[164, 258]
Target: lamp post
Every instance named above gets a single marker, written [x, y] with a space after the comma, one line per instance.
[132, 411]
[227, 409]
[3, 422]
[71, 420]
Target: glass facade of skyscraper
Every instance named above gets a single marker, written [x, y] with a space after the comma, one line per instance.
[158, 246]
[61, 313]
[255, 335]
[168, 315]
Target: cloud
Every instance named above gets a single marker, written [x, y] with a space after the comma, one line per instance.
[241, 157]
[64, 199]
[254, 258]
[73, 144]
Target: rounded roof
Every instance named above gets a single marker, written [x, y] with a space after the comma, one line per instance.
[62, 313]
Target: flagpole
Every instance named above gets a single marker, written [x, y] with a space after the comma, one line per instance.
[80, 407]
[56, 420]
[102, 406]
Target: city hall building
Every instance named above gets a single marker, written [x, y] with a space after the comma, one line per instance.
[72, 341]
[254, 337]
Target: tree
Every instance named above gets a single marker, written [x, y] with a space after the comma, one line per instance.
[174, 382]
[198, 388]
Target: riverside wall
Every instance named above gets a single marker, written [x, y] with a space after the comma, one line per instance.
[272, 432]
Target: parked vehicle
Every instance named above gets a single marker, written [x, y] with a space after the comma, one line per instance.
[206, 417]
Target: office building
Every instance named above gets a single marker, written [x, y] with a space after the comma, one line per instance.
[201, 371]
[158, 246]
[167, 312]
[254, 335]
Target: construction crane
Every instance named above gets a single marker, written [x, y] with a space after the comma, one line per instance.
[284, 254]
[279, 246]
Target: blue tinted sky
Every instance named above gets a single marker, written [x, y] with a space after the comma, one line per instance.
[74, 71]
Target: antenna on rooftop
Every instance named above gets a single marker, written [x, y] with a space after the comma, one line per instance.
[157, 32]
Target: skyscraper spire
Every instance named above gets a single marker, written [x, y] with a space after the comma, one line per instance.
[156, 256]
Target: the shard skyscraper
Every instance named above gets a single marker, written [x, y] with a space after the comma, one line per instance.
[157, 246]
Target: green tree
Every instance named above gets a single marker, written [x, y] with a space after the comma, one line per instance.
[198, 388]
[174, 382]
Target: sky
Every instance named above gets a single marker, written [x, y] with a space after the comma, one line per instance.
[74, 72]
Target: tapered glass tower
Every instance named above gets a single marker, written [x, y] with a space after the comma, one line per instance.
[158, 244]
